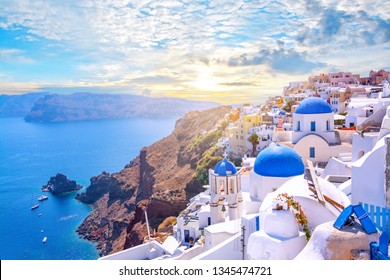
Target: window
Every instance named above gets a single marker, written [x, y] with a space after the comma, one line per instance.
[299, 126]
[327, 125]
[313, 126]
[312, 152]
[186, 235]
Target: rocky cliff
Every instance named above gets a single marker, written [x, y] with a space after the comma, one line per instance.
[161, 179]
[59, 184]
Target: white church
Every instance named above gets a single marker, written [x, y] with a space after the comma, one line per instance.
[313, 135]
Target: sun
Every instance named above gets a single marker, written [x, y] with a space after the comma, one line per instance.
[205, 81]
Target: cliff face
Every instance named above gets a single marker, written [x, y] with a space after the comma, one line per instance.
[161, 179]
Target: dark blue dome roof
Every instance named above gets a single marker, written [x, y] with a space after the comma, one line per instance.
[225, 168]
[278, 161]
[313, 105]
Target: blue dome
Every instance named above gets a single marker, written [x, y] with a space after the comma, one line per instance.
[313, 105]
[275, 106]
[278, 161]
[282, 113]
[225, 168]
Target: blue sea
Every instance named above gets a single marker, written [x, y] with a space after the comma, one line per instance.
[30, 153]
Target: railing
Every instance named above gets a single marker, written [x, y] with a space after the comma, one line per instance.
[379, 215]
[380, 251]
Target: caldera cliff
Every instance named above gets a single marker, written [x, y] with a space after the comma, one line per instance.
[161, 179]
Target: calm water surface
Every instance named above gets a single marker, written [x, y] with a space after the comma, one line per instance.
[31, 153]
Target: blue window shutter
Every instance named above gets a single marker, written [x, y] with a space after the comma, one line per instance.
[257, 223]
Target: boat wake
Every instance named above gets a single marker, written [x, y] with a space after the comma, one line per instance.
[65, 218]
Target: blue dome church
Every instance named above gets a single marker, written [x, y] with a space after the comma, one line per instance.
[274, 166]
[225, 192]
[313, 136]
[313, 116]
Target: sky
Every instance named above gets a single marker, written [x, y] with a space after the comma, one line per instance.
[223, 51]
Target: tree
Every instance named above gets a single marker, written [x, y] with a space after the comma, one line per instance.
[254, 140]
[287, 107]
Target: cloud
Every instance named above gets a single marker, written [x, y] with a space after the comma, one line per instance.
[156, 79]
[146, 92]
[331, 22]
[14, 56]
[287, 61]
[293, 62]
[178, 47]
[239, 84]
[246, 60]
[346, 24]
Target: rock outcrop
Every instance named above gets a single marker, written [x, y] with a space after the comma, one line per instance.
[59, 184]
[160, 180]
[329, 243]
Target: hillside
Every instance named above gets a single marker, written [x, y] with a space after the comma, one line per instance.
[162, 179]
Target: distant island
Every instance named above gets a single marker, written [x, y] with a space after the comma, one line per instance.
[47, 107]
[12, 106]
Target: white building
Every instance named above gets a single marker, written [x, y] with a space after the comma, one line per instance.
[370, 173]
[249, 109]
[364, 110]
[266, 135]
[313, 133]
[251, 228]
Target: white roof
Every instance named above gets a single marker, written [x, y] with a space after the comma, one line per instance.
[170, 245]
[231, 227]
[339, 117]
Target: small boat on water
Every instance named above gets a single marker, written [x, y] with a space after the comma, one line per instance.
[44, 239]
[42, 197]
[35, 206]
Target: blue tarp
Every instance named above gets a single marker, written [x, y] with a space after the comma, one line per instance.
[346, 216]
